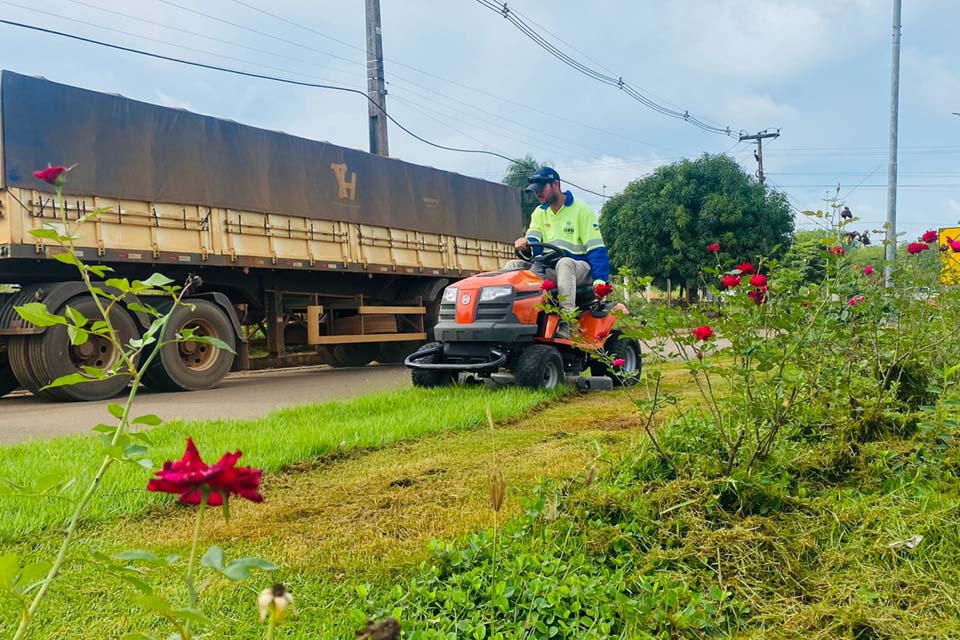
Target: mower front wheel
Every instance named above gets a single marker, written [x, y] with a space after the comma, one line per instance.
[540, 366]
[431, 378]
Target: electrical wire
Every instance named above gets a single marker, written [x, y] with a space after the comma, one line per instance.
[517, 21]
[261, 76]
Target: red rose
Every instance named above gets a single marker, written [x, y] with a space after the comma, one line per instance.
[602, 335]
[758, 280]
[190, 476]
[758, 295]
[929, 236]
[917, 247]
[714, 248]
[745, 268]
[703, 333]
[855, 300]
[548, 285]
[50, 174]
[730, 281]
[867, 270]
[602, 290]
[619, 362]
[836, 251]
[954, 245]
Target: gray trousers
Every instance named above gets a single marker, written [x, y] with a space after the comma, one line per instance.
[568, 275]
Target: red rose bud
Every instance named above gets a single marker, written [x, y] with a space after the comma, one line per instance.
[730, 281]
[619, 362]
[855, 300]
[602, 290]
[50, 174]
[745, 268]
[867, 270]
[548, 285]
[836, 251]
[929, 236]
[917, 247]
[758, 280]
[602, 335]
[758, 295]
[191, 477]
[714, 248]
[703, 333]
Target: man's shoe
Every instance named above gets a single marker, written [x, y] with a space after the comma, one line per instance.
[563, 332]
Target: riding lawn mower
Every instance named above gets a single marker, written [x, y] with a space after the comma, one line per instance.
[493, 326]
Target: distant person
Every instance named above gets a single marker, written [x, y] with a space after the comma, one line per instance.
[572, 226]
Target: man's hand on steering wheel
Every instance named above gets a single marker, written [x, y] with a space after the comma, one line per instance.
[548, 256]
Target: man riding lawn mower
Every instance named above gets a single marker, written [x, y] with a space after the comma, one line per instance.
[497, 321]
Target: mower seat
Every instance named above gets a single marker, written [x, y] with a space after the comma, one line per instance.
[585, 295]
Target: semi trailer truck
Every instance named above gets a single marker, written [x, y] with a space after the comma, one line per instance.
[306, 250]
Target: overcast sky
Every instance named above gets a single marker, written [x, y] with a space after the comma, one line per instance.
[461, 75]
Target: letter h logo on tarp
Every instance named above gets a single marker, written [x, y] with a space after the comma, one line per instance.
[347, 188]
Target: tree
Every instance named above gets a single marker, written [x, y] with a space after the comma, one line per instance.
[516, 176]
[661, 225]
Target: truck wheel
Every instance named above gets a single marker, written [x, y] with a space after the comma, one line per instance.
[353, 355]
[626, 349]
[539, 366]
[188, 365]
[427, 379]
[8, 381]
[38, 360]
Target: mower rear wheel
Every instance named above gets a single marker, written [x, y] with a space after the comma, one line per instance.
[539, 366]
[620, 348]
[427, 378]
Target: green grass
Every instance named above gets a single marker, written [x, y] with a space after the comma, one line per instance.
[287, 436]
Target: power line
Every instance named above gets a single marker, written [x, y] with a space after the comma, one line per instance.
[260, 76]
[517, 21]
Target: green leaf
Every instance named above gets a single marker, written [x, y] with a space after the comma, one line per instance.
[154, 603]
[99, 270]
[192, 615]
[68, 258]
[792, 374]
[241, 569]
[87, 217]
[157, 280]
[216, 342]
[140, 308]
[115, 410]
[77, 336]
[9, 570]
[150, 420]
[213, 558]
[121, 284]
[63, 381]
[137, 555]
[32, 574]
[36, 314]
[75, 316]
[45, 233]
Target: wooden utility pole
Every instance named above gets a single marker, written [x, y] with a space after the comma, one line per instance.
[376, 85]
[758, 154]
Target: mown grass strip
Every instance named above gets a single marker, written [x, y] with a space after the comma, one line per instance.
[283, 437]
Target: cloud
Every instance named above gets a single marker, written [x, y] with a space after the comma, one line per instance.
[933, 78]
[758, 108]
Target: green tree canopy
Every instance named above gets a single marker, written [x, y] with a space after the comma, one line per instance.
[516, 176]
[661, 225]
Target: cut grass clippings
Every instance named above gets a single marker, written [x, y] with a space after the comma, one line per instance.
[283, 437]
[335, 524]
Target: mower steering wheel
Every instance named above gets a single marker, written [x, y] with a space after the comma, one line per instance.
[549, 256]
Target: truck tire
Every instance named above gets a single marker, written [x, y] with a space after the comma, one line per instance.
[627, 349]
[192, 366]
[539, 366]
[353, 355]
[8, 381]
[40, 359]
[427, 379]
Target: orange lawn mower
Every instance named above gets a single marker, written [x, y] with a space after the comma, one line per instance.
[493, 328]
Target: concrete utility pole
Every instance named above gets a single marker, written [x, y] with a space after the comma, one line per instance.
[376, 86]
[759, 137]
[890, 253]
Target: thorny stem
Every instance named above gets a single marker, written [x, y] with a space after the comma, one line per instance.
[191, 564]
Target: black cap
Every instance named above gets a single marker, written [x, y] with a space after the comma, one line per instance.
[543, 176]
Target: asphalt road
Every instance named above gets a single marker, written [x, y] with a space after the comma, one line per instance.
[241, 395]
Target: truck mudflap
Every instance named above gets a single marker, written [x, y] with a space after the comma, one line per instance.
[416, 361]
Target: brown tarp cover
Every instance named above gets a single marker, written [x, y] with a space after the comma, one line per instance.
[134, 150]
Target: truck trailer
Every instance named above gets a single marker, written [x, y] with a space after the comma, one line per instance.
[306, 250]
